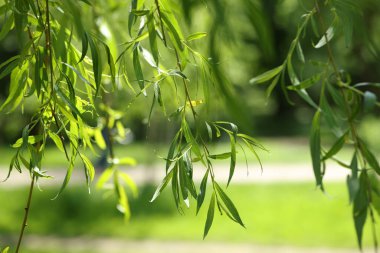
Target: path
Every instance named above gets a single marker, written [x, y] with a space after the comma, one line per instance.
[154, 173]
[112, 245]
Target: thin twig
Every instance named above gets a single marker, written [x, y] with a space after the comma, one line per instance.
[161, 23]
[27, 208]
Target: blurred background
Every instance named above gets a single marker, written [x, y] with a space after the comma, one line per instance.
[245, 38]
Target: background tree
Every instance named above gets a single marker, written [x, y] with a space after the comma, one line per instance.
[79, 59]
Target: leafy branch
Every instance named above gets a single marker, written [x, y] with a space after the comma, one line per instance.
[338, 96]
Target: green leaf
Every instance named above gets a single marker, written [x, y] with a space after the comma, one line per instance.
[131, 184]
[18, 85]
[57, 141]
[132, 16]
[173, 146]
[37, 70]
[84, 46]
[79, 75]
[300, 54]
[272, 86]
[315, 149]
[7, 26]
[96, 63]
[250, 146]
[125, 161]
[196, 36]
[173, 29]
[148, 57]
[306, 83]
[10, 64]
[338, 145]
[221, 156]
[152, 38]
[376, 85]
[69, 172]
[267, 75]
[209, 131]
[32, 139]
[369, 157]
[326, 37]
[360, 208]
[123, 205]
[5, 250]
[175, 190]
[111, 63]
[190, 139]
[67, 101]
[89, 169]
[99, 139]
[352, 181]
[182, 183]
[233, 158]
[138, 70]
[210, 216]
[229, 205]
[140, 13]
[104, 177]
[202, 191]
[163, 184]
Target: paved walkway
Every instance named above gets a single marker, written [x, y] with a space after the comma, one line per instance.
[111, 245]
[155, 173]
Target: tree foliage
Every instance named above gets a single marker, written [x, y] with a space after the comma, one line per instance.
[341, 106]
[77, 55]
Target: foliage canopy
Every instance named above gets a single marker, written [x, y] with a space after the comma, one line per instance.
[75, 56]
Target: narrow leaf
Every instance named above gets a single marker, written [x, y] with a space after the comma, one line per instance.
[202, 191]
[315, 149]
[163, 184]
[196, 36]
[325, 37]
[210, 216]
[229, 205]
[338, 145]
[266, 76]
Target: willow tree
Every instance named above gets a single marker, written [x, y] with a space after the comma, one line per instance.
[76, 55]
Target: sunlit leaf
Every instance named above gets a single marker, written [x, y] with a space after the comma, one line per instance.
[210, 215]
[229, 205]
[325, 37]
[360, 208]
[266, 76]
[96, 63]
[196, 36]
[57, 141]
[163, 184]
[202, 191]
[315, 149]
[338, 145]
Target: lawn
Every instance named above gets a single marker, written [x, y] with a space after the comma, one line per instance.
[274, 214]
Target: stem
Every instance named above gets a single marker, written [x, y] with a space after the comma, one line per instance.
[161, 23]
[49, 60]
[185, 86]
[27, 208]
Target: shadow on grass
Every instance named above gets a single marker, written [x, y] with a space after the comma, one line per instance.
[76, 212]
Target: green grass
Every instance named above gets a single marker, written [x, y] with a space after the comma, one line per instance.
[274, 214]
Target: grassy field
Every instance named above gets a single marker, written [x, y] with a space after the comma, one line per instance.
[274, 214]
